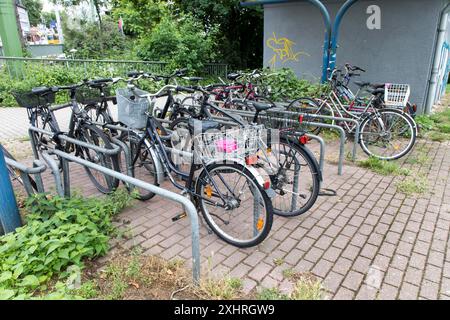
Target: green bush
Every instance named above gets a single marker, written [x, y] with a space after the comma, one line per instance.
[59, 233]
[182, 44]
[284, 85]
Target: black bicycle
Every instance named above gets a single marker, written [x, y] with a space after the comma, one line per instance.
[41, 115]
[231, 195]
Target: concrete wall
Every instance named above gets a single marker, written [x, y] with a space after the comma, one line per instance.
[401, 51]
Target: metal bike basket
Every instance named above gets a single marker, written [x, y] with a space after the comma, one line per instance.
[236, 143]
[131, 108]
[32, 100]
[396, 94]
[87, 95]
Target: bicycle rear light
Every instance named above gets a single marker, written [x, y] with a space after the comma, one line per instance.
[252, 159]
[303, 139]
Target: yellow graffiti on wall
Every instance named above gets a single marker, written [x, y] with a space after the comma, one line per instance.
[283, 49]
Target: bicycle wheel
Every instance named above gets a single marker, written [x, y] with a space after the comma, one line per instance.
[93, 135]
[144, 168]
[309, 106]
[233, 204]
[295, 178]
[387, 134]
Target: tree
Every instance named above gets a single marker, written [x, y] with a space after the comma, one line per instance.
[241, 30]
[97, 5]
[34, 8]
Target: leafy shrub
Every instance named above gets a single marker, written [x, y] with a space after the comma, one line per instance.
[182, 44]
[284, 85]
[59, 233]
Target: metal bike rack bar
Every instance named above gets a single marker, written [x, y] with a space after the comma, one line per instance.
[109, 152]
[55, 172]
[36, 170]
[185, 202]
[342, 135]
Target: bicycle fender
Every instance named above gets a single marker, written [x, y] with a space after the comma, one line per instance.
[158, 165]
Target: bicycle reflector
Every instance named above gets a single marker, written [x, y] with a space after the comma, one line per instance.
[208, 191]
[303, 139]
[300, 119]
[252, 159]
[260, 224]
[266, 185]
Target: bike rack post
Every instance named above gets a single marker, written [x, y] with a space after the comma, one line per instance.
[55, 172]
[36, 170]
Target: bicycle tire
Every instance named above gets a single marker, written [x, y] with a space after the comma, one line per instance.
[313, 176]
[201, 184]
[99, 138]
[408, 120]
[132, 139]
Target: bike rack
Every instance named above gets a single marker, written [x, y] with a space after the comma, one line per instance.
[61, 186]
[36, 171]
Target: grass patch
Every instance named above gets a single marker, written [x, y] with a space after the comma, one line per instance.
[329, 135]
[413, 185]
[223, 289]
[435, 127]
[278, 261]
[383, 167]
[306, 287]
[271, 294]
[420, 158]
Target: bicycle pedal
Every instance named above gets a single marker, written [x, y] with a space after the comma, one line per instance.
[179, 217]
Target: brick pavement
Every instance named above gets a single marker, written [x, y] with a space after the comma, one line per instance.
[369, 242]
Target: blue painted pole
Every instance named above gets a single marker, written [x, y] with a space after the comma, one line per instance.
[9, 212]
[335, 34]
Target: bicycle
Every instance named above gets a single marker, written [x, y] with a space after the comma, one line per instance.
[38, 103]
[282, 160]
[246, 216]
[385, 133]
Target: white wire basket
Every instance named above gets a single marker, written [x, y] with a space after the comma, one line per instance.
[396, 94]
[131, 108]
[239, 143]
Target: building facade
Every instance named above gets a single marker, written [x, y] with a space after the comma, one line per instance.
[396, 41]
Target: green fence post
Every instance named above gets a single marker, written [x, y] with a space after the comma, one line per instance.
[9, 33]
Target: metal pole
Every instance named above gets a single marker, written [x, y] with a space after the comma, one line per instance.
[9, 33]
[335, 34]
[9, 212]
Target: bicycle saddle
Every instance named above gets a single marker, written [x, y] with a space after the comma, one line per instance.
[259, 106]
[362, 83]
[41, 90]
[233, 76]
[205, 125]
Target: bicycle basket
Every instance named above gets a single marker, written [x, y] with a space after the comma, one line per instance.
[396, 94]
[132, 109]
[229, 144]
[32, 100]
[87, 95]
